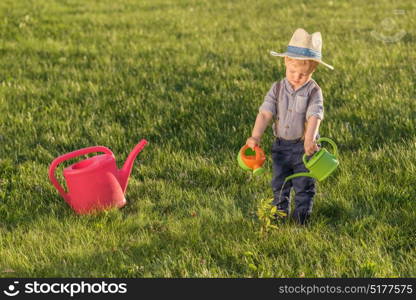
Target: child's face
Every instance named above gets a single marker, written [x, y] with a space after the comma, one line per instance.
[298, 72]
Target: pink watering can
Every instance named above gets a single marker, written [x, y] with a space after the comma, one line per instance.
[94, 183]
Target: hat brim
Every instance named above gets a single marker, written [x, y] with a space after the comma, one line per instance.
[297, 56]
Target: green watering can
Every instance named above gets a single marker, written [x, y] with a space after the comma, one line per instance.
[321, 164]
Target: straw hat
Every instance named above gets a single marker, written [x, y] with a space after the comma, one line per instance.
[303, 45]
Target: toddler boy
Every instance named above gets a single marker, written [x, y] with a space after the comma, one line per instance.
[296, 104]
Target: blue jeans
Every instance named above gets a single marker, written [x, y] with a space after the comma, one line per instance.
[287, 160]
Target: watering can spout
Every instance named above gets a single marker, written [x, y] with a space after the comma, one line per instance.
[299, 175]
[128, 165]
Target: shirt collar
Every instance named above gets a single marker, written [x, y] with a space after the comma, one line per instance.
[291, 90]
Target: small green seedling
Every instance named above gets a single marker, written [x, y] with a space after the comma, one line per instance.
[249, 259]
[266, 212]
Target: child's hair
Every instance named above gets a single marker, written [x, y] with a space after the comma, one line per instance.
[312, 64]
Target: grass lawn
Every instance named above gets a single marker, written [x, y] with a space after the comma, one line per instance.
[189, 77]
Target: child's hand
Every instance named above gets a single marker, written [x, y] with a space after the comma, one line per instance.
[310, 147]
[252, 142]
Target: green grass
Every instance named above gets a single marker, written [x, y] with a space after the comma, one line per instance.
[189, 77]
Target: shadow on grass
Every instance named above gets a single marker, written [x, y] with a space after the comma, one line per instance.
[385, 208]
[167, 253]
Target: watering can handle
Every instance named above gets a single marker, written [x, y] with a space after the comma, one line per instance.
[68, 156]
[258, 152]
[304, 159]
[334, 146]
[324, 139]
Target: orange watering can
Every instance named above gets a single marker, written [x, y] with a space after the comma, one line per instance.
[94, 183]
[251, 160]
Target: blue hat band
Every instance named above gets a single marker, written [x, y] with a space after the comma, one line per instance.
[304, 52]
